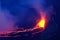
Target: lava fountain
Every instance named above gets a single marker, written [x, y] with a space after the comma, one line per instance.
[41, 23]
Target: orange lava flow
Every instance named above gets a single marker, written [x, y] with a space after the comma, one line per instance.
[41, 24]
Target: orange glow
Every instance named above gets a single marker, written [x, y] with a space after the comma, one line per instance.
[41, 23]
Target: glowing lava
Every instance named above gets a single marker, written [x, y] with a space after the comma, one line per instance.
[41, 23]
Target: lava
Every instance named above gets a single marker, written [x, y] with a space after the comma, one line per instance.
[41, 23]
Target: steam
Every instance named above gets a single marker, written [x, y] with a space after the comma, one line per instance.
[6, 21]
[42, 7]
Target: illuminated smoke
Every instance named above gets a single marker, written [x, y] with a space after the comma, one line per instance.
[6, 22]
[43, 11]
